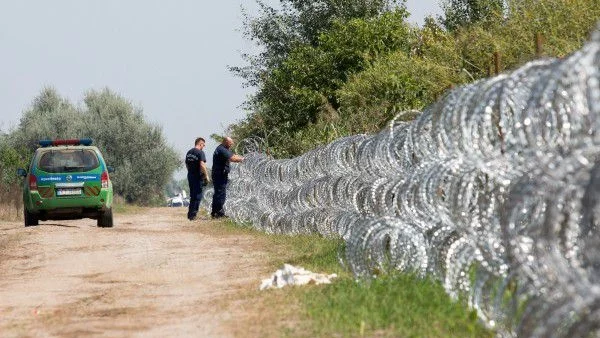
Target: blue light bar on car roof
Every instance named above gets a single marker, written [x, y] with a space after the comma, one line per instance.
[45, 143]
[69, 142]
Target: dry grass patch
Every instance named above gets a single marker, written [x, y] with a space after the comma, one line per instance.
[10, 212]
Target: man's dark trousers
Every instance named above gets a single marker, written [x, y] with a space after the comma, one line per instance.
[220, 187]
[196, 192]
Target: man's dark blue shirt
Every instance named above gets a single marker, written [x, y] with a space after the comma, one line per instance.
[221, 157]
[192, 161]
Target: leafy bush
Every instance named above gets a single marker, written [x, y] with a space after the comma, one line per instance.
[400, 81]
[513, 34]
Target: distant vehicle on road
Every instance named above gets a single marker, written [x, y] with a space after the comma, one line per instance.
[176, 201]
[67, 179]
[179, 200]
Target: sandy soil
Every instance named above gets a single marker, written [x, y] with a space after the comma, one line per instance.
[154, 274]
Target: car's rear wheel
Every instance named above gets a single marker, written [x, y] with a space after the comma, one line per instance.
[105, 220]
[30, 219]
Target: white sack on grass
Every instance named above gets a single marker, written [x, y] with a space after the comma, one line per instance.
[292, 275]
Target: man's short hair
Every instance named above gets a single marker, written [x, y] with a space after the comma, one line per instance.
[198, 141]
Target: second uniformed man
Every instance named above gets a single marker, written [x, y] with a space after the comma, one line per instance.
[197, 175]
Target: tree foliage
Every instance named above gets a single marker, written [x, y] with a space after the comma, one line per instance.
[276, 31]
[137, 149]
[464, 13]
[513, 35]
[301, 90]
[11, 158]
[400, 81]
[330, 68]
[50, 116]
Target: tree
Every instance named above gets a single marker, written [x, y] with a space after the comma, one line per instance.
[355, 74]
[464, 13]
[50, 116]
[138, 150]
[317, 16]
[301, 90]
[297, 22]
[513, 34]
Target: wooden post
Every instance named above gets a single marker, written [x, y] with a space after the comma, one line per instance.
[497, 62]
[539, 44]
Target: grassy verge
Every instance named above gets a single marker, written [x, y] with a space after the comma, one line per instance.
[390, 306]
[399, 305]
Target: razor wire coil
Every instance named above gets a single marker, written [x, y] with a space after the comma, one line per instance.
[494, 190]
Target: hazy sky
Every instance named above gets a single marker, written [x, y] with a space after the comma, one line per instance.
[168, 57]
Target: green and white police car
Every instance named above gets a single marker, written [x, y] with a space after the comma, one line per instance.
[67, 179]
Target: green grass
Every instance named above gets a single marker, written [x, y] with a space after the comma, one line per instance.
[311, 252]
[390, 306]
[399, 305]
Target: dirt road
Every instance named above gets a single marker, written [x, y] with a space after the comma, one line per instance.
[154, 274]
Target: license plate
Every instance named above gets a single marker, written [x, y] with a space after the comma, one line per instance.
[68, 192]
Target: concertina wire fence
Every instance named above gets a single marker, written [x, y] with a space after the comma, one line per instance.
[494, 190]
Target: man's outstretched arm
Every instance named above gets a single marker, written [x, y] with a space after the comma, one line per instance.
[236, 158]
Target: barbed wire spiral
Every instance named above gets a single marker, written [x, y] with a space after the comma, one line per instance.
[494, 190]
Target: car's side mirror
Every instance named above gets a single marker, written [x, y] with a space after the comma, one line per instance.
[110, 169]
[21, 172]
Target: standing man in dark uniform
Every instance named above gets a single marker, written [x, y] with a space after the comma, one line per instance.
[197, 176]
[220, 171]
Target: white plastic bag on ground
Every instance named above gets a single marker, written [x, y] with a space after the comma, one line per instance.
[292, 275]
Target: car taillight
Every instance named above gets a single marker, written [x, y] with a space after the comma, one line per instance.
[32, 182]
[104, 179]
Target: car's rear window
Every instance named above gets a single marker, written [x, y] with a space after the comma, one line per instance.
[68, 160]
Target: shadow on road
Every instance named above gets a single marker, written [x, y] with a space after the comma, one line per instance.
[58, 225]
